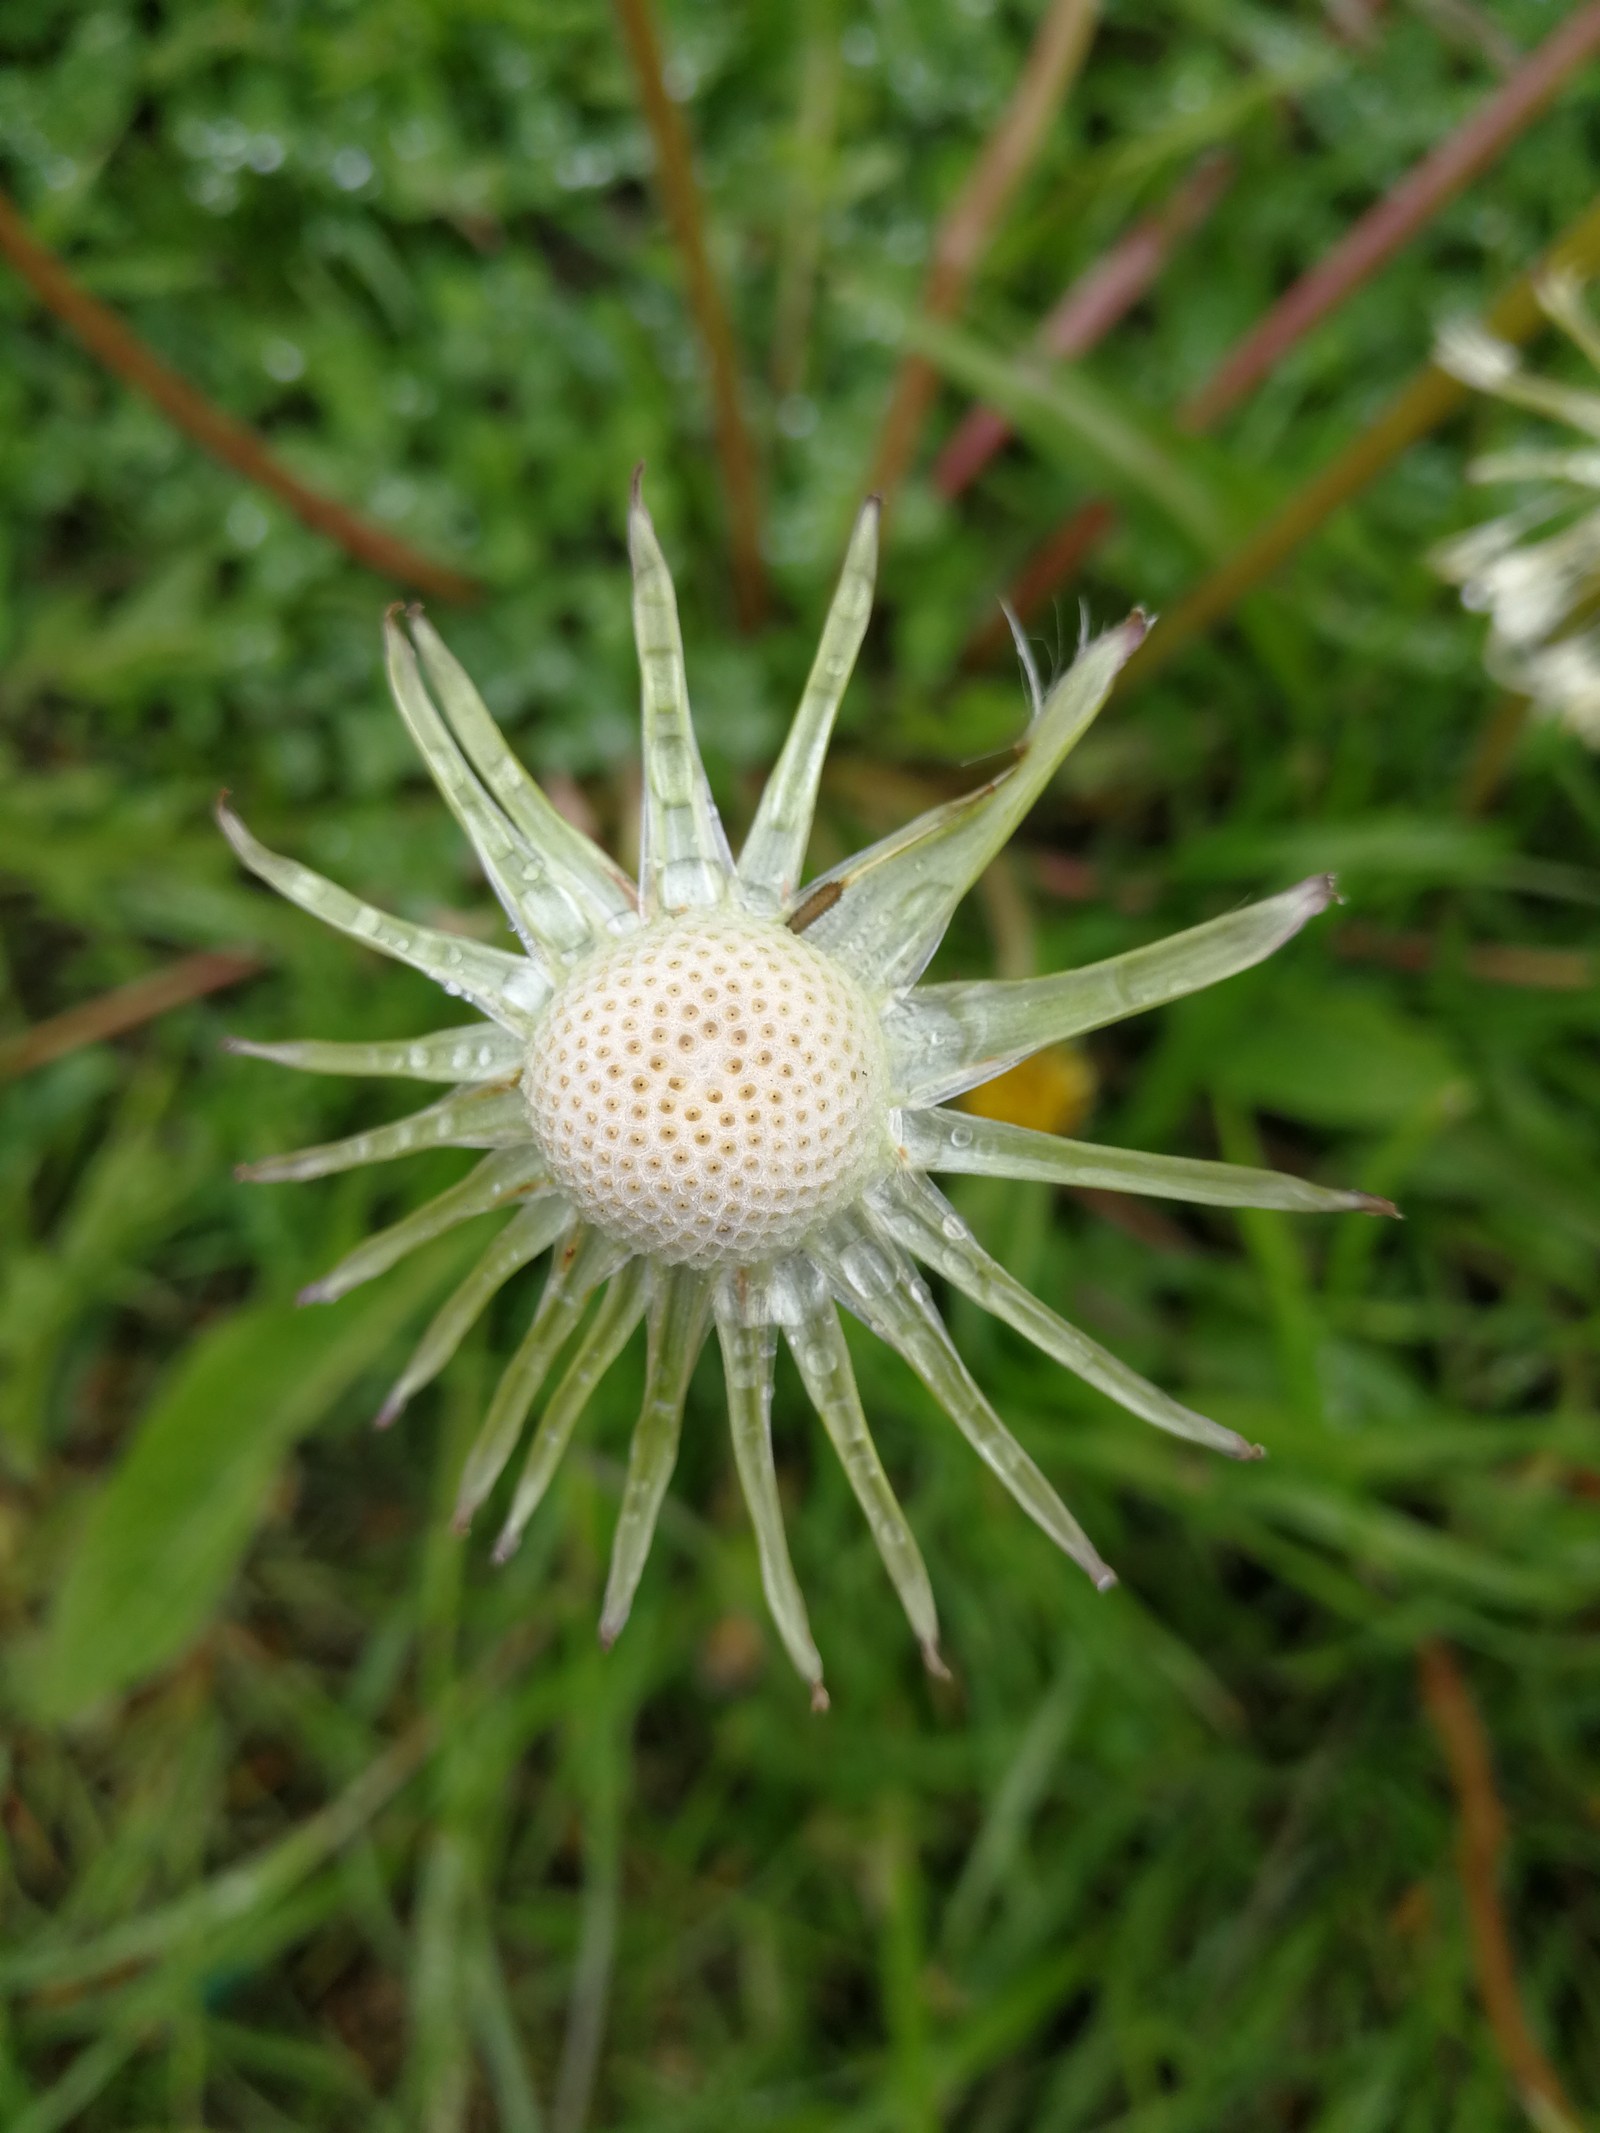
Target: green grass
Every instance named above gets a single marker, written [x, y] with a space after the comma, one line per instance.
[313, 1819]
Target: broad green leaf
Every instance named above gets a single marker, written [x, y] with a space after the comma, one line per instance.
[160, 1547]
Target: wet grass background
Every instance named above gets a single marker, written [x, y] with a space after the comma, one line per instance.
[1180, 1857]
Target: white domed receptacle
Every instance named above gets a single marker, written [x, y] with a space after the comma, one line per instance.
[711, 1090]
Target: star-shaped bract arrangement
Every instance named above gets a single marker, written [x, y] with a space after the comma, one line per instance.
[719, 1097]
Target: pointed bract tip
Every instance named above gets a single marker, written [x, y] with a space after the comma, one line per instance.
[314, 1292]
[504, 1549]
[1104, 1578]
[461, 1521]
[232, 1044]
[1253, 1452]
[819, 1697]
[609, 1633]
[392, 614]
[1140, 622]
[933, 1660]
[636, 488]
[244, 1173]
[1370, 1204]
[1320, 891]
[389, 1413]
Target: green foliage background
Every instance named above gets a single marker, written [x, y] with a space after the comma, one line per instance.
[1180, 1857]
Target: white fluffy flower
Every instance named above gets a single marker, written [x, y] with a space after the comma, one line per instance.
[717, 1096]
[1542, 595]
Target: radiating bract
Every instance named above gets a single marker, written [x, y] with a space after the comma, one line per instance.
[715, 1098]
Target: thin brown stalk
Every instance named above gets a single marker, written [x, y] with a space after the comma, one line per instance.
[1096, 301]
[680, 199]
[1491, 758]
[1375, 237]
[963, 237]
[1480, 1840]
[113, 1013]
[1419, 407]
[1492, 962]
[114, 343]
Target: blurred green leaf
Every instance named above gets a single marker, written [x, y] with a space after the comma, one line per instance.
[169, 1530]
[1335, 1057]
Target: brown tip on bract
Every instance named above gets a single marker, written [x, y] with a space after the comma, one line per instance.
[231, 1044]
[1253, 1452]
[819, 1697]
[933, 1660]
[415, 611]
[393, 612]
[608, 1635]
[389, 1412]
[313, 1293]
[461, 1522]
[503, 1550]
[1370, 1204]
[244, 1173]
[636, 489]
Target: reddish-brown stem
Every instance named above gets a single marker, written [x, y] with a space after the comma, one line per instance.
[112, 1013]
[1419, 407]
[1480, 1839]
[1491, 962]
[1497, 742]
[680, 199]
[1053, 60]
[1100, 297]
[1374, 239]
[118, 347]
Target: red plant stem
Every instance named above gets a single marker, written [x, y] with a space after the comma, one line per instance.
[1098, 300]
[1481, 1836]
[1053, 60]
[1374, 239]
[118, 347]
[111, 1013]
[680, 198]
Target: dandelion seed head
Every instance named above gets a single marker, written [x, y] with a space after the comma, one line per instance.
[715, 1097]
[710, 1090]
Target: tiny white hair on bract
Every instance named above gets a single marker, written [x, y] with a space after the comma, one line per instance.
[718, 1097]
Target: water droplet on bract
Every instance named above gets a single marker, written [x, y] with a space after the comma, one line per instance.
[961, 1136]
[955, 1229]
